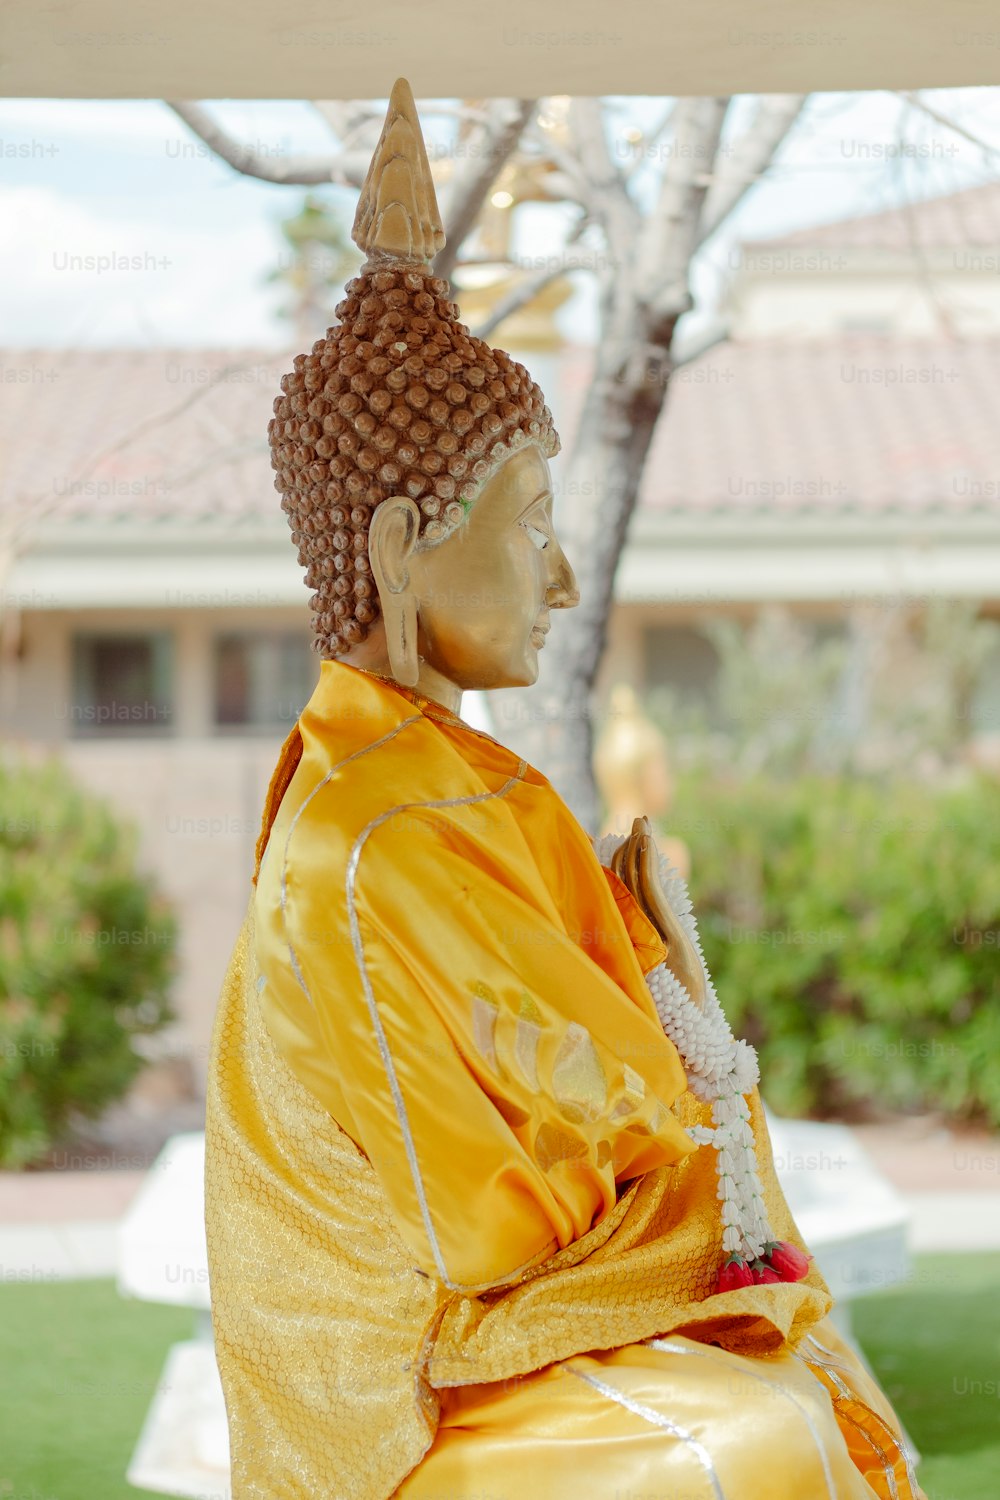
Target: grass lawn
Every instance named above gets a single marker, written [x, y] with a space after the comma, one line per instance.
[78, 1366]
[935, 1346]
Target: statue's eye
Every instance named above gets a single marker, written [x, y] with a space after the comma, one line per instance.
[537, 535]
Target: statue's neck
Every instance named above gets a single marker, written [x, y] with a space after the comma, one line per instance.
[371, 656]
[450, 700]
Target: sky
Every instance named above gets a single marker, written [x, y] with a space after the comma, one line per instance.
[191, 243]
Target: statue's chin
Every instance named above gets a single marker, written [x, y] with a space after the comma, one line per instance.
[524, 674]
[510, 675]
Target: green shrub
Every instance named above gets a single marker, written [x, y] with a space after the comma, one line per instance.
[852, 929]
[86, 958]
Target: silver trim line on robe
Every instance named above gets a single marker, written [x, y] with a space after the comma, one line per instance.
[376, 1020]
[649, 1414]
[283, 885]
[670, 1348]
[831, 1364]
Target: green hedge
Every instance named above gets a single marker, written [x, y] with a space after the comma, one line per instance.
[852, 930]
[86, 958]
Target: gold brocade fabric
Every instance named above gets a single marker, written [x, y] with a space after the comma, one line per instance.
[319, 1314]
[445, 1137]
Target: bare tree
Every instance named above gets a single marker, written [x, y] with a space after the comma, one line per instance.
[643, 277]
[639, 249]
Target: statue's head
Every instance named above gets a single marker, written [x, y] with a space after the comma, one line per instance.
[412, 458]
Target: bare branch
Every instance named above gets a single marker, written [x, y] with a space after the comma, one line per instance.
[607, 195]
[704, 346]
[218, 458]
[486, 154]
[350, 120]
[571, 181]
[918, 101]
[468, 114]
[524, 291]
[948, 123]
[649, 140]
[346, 168]
[751, 155]
[668, 236]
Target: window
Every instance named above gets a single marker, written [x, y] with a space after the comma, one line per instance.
[262, 680]
[122, 684]
[680, 662]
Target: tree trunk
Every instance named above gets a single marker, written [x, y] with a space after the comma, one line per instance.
[551, 724]
[643, 295]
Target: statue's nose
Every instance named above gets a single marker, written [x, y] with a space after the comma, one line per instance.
[563, 591]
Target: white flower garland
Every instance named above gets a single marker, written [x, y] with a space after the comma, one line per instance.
[720, 1071]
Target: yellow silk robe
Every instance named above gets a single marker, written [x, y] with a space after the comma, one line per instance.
[460, 1242]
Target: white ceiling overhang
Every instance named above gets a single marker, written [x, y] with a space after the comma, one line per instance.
[213, 49]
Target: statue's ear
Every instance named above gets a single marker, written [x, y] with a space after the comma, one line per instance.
[392, 536]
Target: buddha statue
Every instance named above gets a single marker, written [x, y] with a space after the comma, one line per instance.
[384, 438]
[488, 1189]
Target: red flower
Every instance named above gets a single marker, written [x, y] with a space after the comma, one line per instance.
[762, 1273]
[788, 1261]
[734, 1273]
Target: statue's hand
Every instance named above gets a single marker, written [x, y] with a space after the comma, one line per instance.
[636, 862]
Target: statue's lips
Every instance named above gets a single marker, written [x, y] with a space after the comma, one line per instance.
[538, 634]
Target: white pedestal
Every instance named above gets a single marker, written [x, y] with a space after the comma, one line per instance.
[162, 1254]
[184, 1445]
[183, 1448]
[852, 1219]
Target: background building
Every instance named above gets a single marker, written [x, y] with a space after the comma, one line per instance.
[840, 448]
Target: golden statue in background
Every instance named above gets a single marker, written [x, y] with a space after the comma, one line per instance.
[632, 767]
[482, 1200]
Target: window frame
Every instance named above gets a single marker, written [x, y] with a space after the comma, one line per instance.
[162, 687]
[246, 636]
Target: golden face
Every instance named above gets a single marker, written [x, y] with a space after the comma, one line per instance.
[484, 595]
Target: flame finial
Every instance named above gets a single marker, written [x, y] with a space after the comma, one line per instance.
[398, 217]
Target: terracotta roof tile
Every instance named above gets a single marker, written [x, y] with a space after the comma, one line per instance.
[947, 222]
[182, 435]
[161, 434]
[860, 421]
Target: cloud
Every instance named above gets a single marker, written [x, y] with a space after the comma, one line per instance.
[94, 273]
